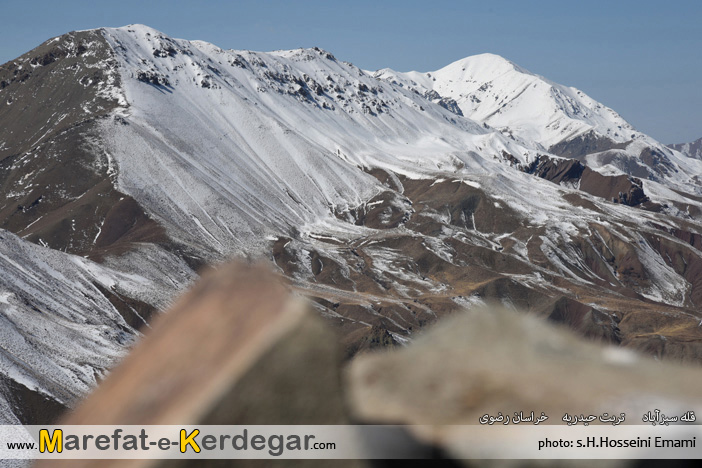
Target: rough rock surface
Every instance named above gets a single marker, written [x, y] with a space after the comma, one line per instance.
[238, 349]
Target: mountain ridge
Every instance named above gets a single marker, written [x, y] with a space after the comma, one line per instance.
[692, 149]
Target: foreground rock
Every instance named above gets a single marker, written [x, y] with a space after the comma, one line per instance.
[487, 361]
[237, 349]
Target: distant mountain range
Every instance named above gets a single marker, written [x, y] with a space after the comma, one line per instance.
[692, 150]
[129, 160]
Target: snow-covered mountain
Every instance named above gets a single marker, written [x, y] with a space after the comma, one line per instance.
[562, 120]
[390, 199]
[268, 141]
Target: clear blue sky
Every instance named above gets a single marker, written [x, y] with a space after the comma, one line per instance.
[642, 58]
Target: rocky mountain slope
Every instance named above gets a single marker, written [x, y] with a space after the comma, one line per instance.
[389, 199]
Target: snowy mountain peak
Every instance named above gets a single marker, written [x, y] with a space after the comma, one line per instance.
[485, 66]
[139, 29]
[561, 120]
[491, 89]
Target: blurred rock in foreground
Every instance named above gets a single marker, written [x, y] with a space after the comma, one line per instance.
[490, 360]
[240, 349]
[237, 349]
